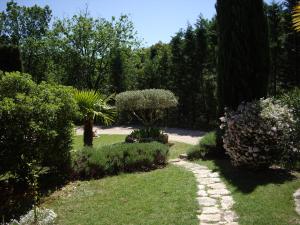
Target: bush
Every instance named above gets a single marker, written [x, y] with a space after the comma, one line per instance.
[259, 134]
[116, 158]
[147, 105]
[147, 135]
[35, 124]
[205, 148]
[292, 100]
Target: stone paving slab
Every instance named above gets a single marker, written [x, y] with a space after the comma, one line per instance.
[297, 200]
[213, 197]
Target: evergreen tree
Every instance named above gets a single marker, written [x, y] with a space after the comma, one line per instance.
[243, 56]
[274, 13]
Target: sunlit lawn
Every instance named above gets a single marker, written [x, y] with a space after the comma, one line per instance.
[164, 196]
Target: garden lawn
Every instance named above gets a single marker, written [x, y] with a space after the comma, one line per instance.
[164, 196]
[262, 198]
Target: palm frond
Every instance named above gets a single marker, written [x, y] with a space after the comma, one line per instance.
[296, 17]
[93, 105]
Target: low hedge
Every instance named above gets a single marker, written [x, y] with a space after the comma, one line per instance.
[205, 148]
[117, 158]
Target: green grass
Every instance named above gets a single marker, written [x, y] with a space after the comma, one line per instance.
[164, 196]
[104, 139]
[262, 198]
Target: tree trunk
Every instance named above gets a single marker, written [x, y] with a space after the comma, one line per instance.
[88, 132]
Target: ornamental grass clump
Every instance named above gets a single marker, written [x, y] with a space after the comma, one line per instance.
[259, 134]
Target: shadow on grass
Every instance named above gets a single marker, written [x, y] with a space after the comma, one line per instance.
[246, 181]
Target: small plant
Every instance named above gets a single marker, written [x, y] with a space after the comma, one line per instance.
[147, 135]
[91, 105]
[259, 134]
[116, 158]
[205, 148]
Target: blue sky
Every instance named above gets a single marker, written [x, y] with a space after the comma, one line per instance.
[154, 20]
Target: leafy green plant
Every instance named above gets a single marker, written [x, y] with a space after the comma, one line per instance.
[147, 135]
[91, 105]
[35, 126]
[205, 148]
[116, 158]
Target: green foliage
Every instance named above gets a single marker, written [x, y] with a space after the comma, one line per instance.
[147, 135]
[91, 105]
[116, 158]
[147, 105]
[10, 58]
[259, 134]
[205, 148]
[36, 124]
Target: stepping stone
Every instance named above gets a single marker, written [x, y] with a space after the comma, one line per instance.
[206, 201]
[213, 197]
[210, 210]
[214, 175]
[217, 186]
[202, 193]
[218, 192]
[207, 218]
[210, 180]
[227, 202]
[230, 216]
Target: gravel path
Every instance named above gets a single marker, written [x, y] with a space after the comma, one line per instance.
[213, 197]
[175, 134]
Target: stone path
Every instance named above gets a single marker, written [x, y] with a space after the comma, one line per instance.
[297, 201]
[175, 134]
[213, 197]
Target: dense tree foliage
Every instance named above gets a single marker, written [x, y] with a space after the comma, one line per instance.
[104, 55]
[10, 58]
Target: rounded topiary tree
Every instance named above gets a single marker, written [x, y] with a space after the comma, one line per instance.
[147, 105]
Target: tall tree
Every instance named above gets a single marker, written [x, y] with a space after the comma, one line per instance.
[243, 56]
[274, 13]
[26, 27]
[87, 45]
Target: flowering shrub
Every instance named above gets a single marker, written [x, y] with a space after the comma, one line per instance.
[43, 217]
[259, 133]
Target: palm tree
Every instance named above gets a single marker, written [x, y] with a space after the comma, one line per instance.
[296, 17]
[91, 105]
